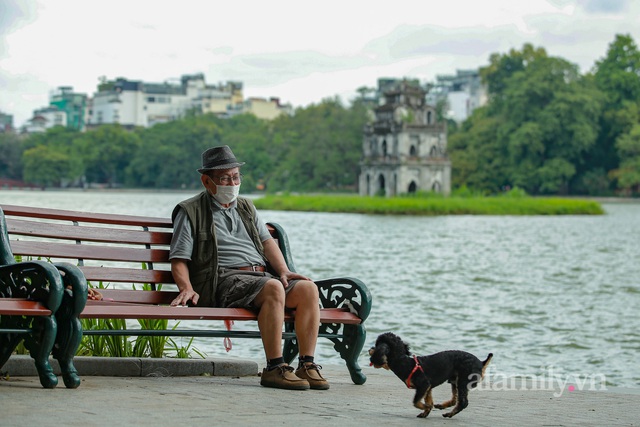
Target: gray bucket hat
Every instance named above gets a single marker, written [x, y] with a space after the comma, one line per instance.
[219, 158]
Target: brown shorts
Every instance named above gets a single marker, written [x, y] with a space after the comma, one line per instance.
[238, 288]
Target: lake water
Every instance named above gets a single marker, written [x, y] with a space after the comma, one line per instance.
[548, 295]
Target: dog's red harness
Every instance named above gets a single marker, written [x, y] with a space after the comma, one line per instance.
[415, 368]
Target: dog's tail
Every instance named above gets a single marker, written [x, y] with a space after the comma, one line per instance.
[486, 363]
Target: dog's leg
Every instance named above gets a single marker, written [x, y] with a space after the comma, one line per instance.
[450, 402]
[462, 403]
[427, 406]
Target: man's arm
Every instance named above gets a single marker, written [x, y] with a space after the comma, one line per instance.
[180, 271]
[277, 262]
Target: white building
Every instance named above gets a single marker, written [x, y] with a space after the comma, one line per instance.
[44, 119]
[136, 103]
[463, 93]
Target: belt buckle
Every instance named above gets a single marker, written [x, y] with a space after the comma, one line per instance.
[254, 268]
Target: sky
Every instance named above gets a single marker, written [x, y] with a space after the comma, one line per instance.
[301, 51]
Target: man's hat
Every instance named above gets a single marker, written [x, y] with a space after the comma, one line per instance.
[219, 158]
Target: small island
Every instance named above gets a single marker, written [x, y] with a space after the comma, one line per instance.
[475, 205]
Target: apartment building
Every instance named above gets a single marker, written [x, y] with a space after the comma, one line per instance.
[73, 104]
[45, 118]
[463, 93]
[134, 103]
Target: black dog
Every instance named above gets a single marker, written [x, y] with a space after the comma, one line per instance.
[463, 370]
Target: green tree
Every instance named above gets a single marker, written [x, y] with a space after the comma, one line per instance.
[323, 148]
[539, 126]
[50, 158]
[618, 76]
[478, 159]
[170, 153]
[46, 166]
[501, 69]
[11, 150]
[106, 152]
[628, 174]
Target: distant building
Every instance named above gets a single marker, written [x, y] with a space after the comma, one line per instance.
[405, 147]
[45, 118]
[136, 103]
[72, 103]
[6, 122]
[224, 100]
[66, 108]
[463, 93]
[267, 109]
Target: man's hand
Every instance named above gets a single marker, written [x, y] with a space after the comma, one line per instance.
[288, 275]
[184, 297]
[180, 272]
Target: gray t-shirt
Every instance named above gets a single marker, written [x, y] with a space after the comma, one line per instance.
[235, 247]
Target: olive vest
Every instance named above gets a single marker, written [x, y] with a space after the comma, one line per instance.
[203, 267]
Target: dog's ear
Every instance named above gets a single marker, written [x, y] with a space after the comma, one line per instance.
[401, 348]
[379, 355]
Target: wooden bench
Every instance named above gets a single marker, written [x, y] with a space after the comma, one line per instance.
[36, 308]
[127, 251]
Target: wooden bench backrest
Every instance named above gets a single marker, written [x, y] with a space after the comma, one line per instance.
[107, 247]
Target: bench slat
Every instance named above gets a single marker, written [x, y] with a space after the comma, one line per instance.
[101, 218]
[86, 233]
[108, 310]
[126, 275]
[22, 307]
[139, 296]
[61, 250]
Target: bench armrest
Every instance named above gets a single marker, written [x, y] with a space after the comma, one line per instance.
[280, 235]
[345, 292]
[35, 280]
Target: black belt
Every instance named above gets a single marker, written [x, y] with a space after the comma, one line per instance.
[251, 268]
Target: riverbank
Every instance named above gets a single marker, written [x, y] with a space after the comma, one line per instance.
[499, 205]
[205, 400]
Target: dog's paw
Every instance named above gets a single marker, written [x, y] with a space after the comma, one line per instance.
[423, 414]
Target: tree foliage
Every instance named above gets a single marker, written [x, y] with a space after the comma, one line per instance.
[11, 150]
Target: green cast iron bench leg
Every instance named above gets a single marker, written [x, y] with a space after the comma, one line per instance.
[69, 326]
[39, 281]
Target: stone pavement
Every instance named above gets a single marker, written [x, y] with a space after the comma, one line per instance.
[227, 392]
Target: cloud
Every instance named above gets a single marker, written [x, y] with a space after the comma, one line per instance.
[298, 52]
[604, 6]
[412, 40]
[14, 14]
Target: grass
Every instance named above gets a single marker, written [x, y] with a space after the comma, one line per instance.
[431, 205]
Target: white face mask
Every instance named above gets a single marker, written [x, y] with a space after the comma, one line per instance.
[226, 194]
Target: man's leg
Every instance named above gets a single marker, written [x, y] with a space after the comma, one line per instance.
[304, 298]
[271, 302]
